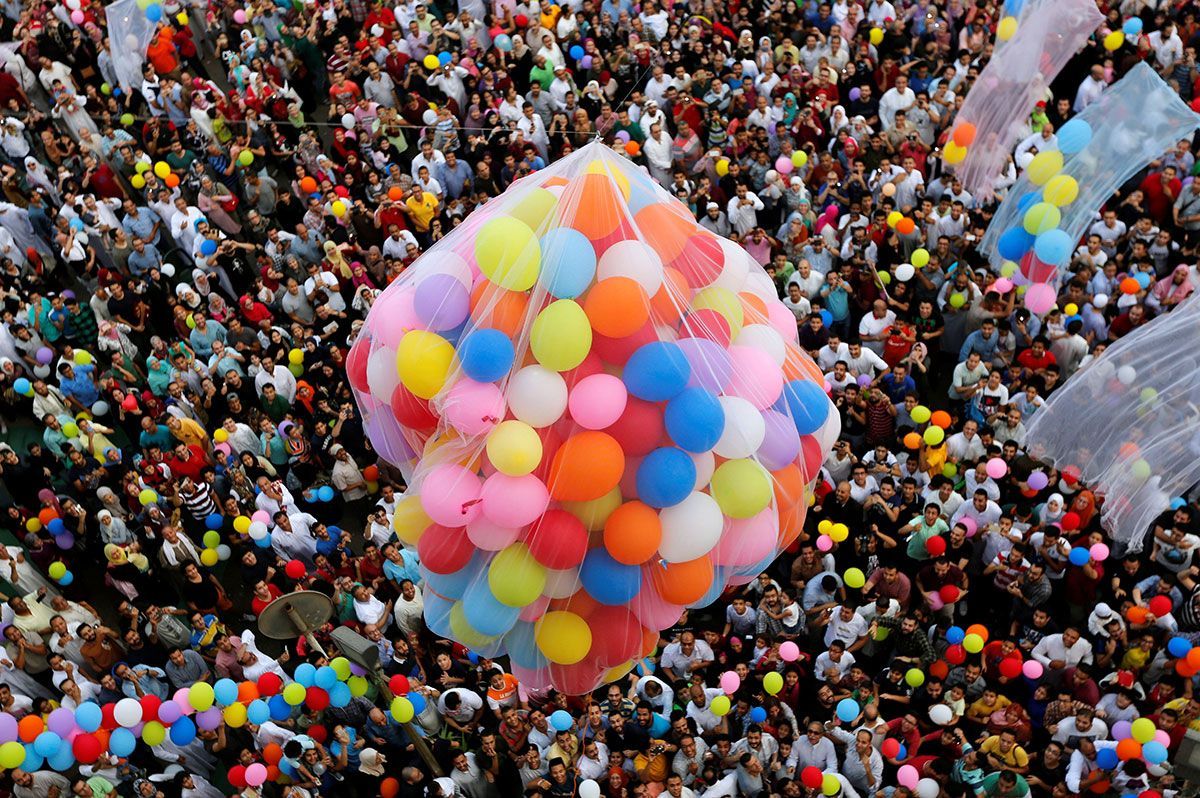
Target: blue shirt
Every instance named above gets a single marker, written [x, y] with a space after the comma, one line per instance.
[452, 179]
[143, 225]
[896, 390]
[142, 262]
[335, 748]
[986, 347]
[408, 568]
[80, 387]
[161, 437]
[202, 341]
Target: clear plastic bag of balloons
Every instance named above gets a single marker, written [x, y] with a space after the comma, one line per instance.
[603, 415]
[1128, 423]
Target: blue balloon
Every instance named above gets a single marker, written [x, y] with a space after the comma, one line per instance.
[1154, 752]
[1053, 247]
[258, 712]
[56, 526]
[325, 493]
[1079, 556]
[503, 42]
[444, 57]
[758, 715]
[1177, 502]
[1132, 27]
[576, 52]
[454, 586]
[568, 263]
[226, 691]
[1143, 279]
[208, 246]
[306, 674]
[340, 696]
[560, 720]
[264, 542]
[67, 579]
[903, 752]
[487, 614]
[826, 317]
[33, 760]
[121, 742]
[847, 709]
[63, 759]
[280, 709]
[22, 385]
[214, 521]
[720, 581]
[1179, 646]
[418, 700]
[665, 477]
[89, 716]
[183, 731]
[47, 743]
[955, 635]
[657, 372]
[1014, 243]
[326, 677]
[807, 404]
[659, 726]
[76, 224]
[1107, 759]
[695, 420]
[154, 13]
[1075, 134]
[608, 581]
[486, 355]
[1032, 198]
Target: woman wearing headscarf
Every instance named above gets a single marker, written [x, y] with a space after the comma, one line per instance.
[213, 199]
[1172, 289]
[1053, 510]
[1084, 506]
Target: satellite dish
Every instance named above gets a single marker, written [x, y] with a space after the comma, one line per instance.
[296, 614]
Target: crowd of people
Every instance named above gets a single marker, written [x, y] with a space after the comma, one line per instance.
[185, 262]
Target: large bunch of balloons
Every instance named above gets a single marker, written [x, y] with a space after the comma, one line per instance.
[1036, 228]
[604, 413]
[82, 736]
[1034, 43]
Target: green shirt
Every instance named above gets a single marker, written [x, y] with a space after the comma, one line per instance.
[916, 541]
[100, 786]
[990, 787]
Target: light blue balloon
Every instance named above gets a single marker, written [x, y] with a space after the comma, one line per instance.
[259, 712]
[67, 579]
[560, 720]
[437, 611]
[418, 701]
[1076, 133]
[847, 709]
[33, 760]
[306, 674]
[503, 42]
[326, 677]
[89, 716]
[568, 263]
[325, 493]
[1079, 556]
[758, 715]
[660, 725]
[340, 695]
[47, 744]
[1032, 198]
[63, 759]
[122, 742]
[22, 386]
[226, 691]
[1154, 752]
[454, 586]
[1053, 247]
[487, 614]
[1143, 279]
[807, 404]
[955, 635]
[1014, 243]
[1132, 27]
[522, 648]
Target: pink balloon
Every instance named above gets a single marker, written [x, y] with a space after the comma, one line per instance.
[1002, 285]
[824, 543]
[789, 651]
[1099, 552]
[256, 774]
[597, 401]
[450, 495]
[747, 541]
[935, 601]
[1040, 297]
[970, 525]
[784, 165]
[77, 17]
[1161, 736]
[907, 776]
[239, 17]
[261, 516]
[1032, 669]
[756, 378]
[514, 501]
[397, 316]
[996, 468]
[730, 682]
[531, 612]
[473, 408]
[489, 536]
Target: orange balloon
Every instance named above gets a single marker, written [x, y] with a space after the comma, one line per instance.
[591, 204]
[46, 515]
[30, 726]
[649, 641]
[940, 418]
[682, 582]
[788, 484]
[272, 753]
[617, 307]
[389, 787]
[964, 134]
[587, 466]
[632, 147]
[172, 180]
[1129, 748]
[632, 533]
[580, 602]
[666, 228]
[1193, 658]
[754, 308]
[912, 441]
[1184, 669]
[1128, 450]
[395, 193]
[247, 692]
[1137, 615]
[308, 185]
[905, 226]
[1130, 286]
[797, 365]
[493, 306]
[673, 296]
[978, 629]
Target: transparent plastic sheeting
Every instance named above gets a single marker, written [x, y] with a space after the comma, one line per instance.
[130, 31]
[1029, 55]
[1039, 223]
[603, 412]
[1128, 423]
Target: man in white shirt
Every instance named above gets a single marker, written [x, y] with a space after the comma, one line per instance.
[846, 625]
[871, 328]
[687, 654]
[879, 13]
[743, 209]
[863, 361]
[898, 98]
[1167, 46]
[534, 130]
[1090, 89]
[1064, 650]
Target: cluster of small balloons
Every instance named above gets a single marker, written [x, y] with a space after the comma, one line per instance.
[48, 519]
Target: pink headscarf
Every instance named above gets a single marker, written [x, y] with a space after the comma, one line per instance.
[1167, 288]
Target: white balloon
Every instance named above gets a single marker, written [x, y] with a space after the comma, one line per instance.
[168, 270]
[561, 584]
[258, 530]
[429, 117]
[1127, 374]
[99, 408]
[73, 4]
[41, 372]
[348, 121]
[1099, 301]
[928, 788]
[691, 528]
[905, 272]
[744, 429]
[382, 377]
[734, 271]
[706, 464]
[589, 789]
[536, 395]
[764, 338]
[224, 552]
[128, 712]
[635, 260]
[941, 714]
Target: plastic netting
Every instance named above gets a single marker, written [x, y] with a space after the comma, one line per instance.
[130, 31]
[603, 414]
[1128, 423]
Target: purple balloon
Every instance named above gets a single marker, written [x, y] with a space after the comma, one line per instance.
[65, 541]
[586, 62]
[357, 670]
[61, 722]
[781, 445]
[855, 93]
[622, 136]
[209, 719]
[169, 712]
[8, 728]
[864, 380]
[442, 302]
[711, 365]
[1038, 480]
[1122, 730]
[45, 355]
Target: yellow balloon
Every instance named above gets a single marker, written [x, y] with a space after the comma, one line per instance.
[825, 527]
[209, 557]
[463, 631]
[722, 167]
[141, 166]
[839, 532]
[1044, 166]
[772, 682]
[876, 36]
[720, 705]
[854, 578]
[423, 360]
[973, 643]
[508, 253]
[920, 258]
[561, 336]
[1061, 190]
[799, 158]
[1006, 29]
[515, 577]
[137, 181]
[594, 514]
[153, 733]
[934, 436]
[241, 524]
[830, 784]
[201, 696]
[535, 208]
[1114, 40]
[1071, 309]
[514, 448]
[563, 637]
[742, 488]
[431, 62]
[358, 686]
[921, 414]
[235, 715]
[1041, 217]
[409, 521]
[725, 302]
[402, 709]
[894, 218]
[1008, 268]
[1142, 730]
[162, 169]
[953, 154]
[339, 208]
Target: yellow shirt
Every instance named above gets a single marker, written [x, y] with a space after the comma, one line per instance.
[191, 433]
[980, 711]
[1016, 757]
[423, 209]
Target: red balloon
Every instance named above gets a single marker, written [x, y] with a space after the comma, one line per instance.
[412, 412]
[107, 719]
[86, 748]
[399, 684]
[700, 262]
[936, 546]
[617, 350]
[616, 635]
[708, 324]
[1069, 521]
[295, 569]
[237, 776]
[389, 788]
[150, 704]
[316, 698]
[1010, 667]
[890, 747]
[272, 753]
[812, 777]
[638, 430]
[269, 684]
[956, 655]
[948, 593]
[341, 191]
[319, 733]
[558, 540]
[356, 365]
[591, 365]
[1160, 606]
[444, 549]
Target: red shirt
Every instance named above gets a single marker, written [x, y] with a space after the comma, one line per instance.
[1031, 361]
[190, 467]
[257, 605]
[1158, 201]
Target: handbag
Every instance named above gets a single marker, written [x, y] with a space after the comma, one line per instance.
[230, 205]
